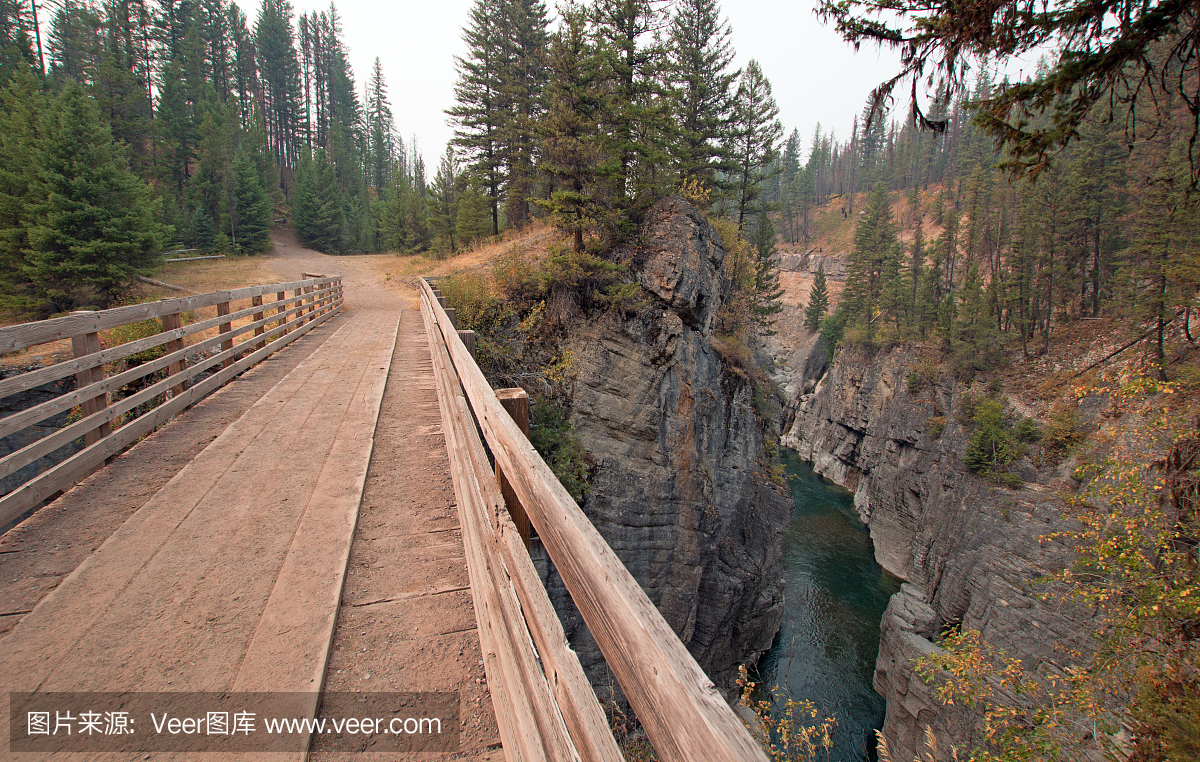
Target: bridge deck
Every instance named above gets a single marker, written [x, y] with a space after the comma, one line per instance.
[229, 578]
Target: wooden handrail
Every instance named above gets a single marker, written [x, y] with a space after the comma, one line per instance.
[683, 713]
[25, 335]
[295, 317]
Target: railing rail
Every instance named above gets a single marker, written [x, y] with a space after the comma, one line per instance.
[314, 300]
[682, 712]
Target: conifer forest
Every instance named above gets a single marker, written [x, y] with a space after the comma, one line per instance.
[988, 210]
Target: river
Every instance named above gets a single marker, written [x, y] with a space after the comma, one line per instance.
[836, 594]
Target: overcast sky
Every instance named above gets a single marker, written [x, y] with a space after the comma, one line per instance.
[815, 75]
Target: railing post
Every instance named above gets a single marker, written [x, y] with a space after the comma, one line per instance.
[468, 340]
[311, 300]
[171, 323]
[516, 402]
[279, 297]
[86, 344]
[453, 315]
[256, 301]
[222, 310]
[299, 317]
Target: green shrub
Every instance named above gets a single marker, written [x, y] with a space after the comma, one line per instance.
[1027, 430]
[1062, 434]
[560, 445]
[123, 334]
[994, 445]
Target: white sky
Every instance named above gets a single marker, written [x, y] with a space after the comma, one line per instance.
[815, 75]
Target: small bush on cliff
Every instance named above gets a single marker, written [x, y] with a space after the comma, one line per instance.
[993, 445]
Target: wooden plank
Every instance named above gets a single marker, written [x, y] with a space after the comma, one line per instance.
[222, 311]
[468, 340]
[580, 708]
[683, 713]
[516, 402]
[50, 373]
[25, 335]
[63, 475]
[290, 647]
[530, 724]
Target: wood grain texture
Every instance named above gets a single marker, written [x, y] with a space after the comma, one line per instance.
[66, 473]
[25, 335]
[683, 713]
[531, 727]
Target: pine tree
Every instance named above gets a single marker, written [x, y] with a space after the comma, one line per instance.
[472, 223]
[479, 113]
[870, 265]
[21, 107]
[767, 287]
[523, 81]
[91, 221]
[756, 130]
[250, 210]
[634, 119]
[381, 138]
[570, 147]
[701, 90]
[443, 203]
[818, 300]
[318, 212]
[279, 69]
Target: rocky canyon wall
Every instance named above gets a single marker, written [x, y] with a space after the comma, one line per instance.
[679, 487]
[969, 552]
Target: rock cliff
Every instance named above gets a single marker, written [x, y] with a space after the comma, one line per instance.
[678, 487]
[969, 552]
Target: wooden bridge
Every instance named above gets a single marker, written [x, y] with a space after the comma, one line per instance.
[232, 577]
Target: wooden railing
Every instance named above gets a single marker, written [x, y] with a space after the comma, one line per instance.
[548, 710]
[297, 308]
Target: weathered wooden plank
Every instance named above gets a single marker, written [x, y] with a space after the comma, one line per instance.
[87, 344]
[531, 725]
[25, 335]
[170, 324]
[516, 402]
[683, 713]
[63, 475]
[176, 361]
[51, 373]
[580, 708]
[256, 301]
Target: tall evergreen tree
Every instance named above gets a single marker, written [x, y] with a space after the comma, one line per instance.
[756, 131]
[279, 70]
[479, 114]
[701, 90]
[570, 149]
[91, 226]
[818, 300]
[318, 212]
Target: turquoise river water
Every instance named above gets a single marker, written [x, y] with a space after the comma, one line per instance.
[836, 594]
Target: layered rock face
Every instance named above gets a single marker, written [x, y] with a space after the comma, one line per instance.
[678, 488]
[969, 552]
